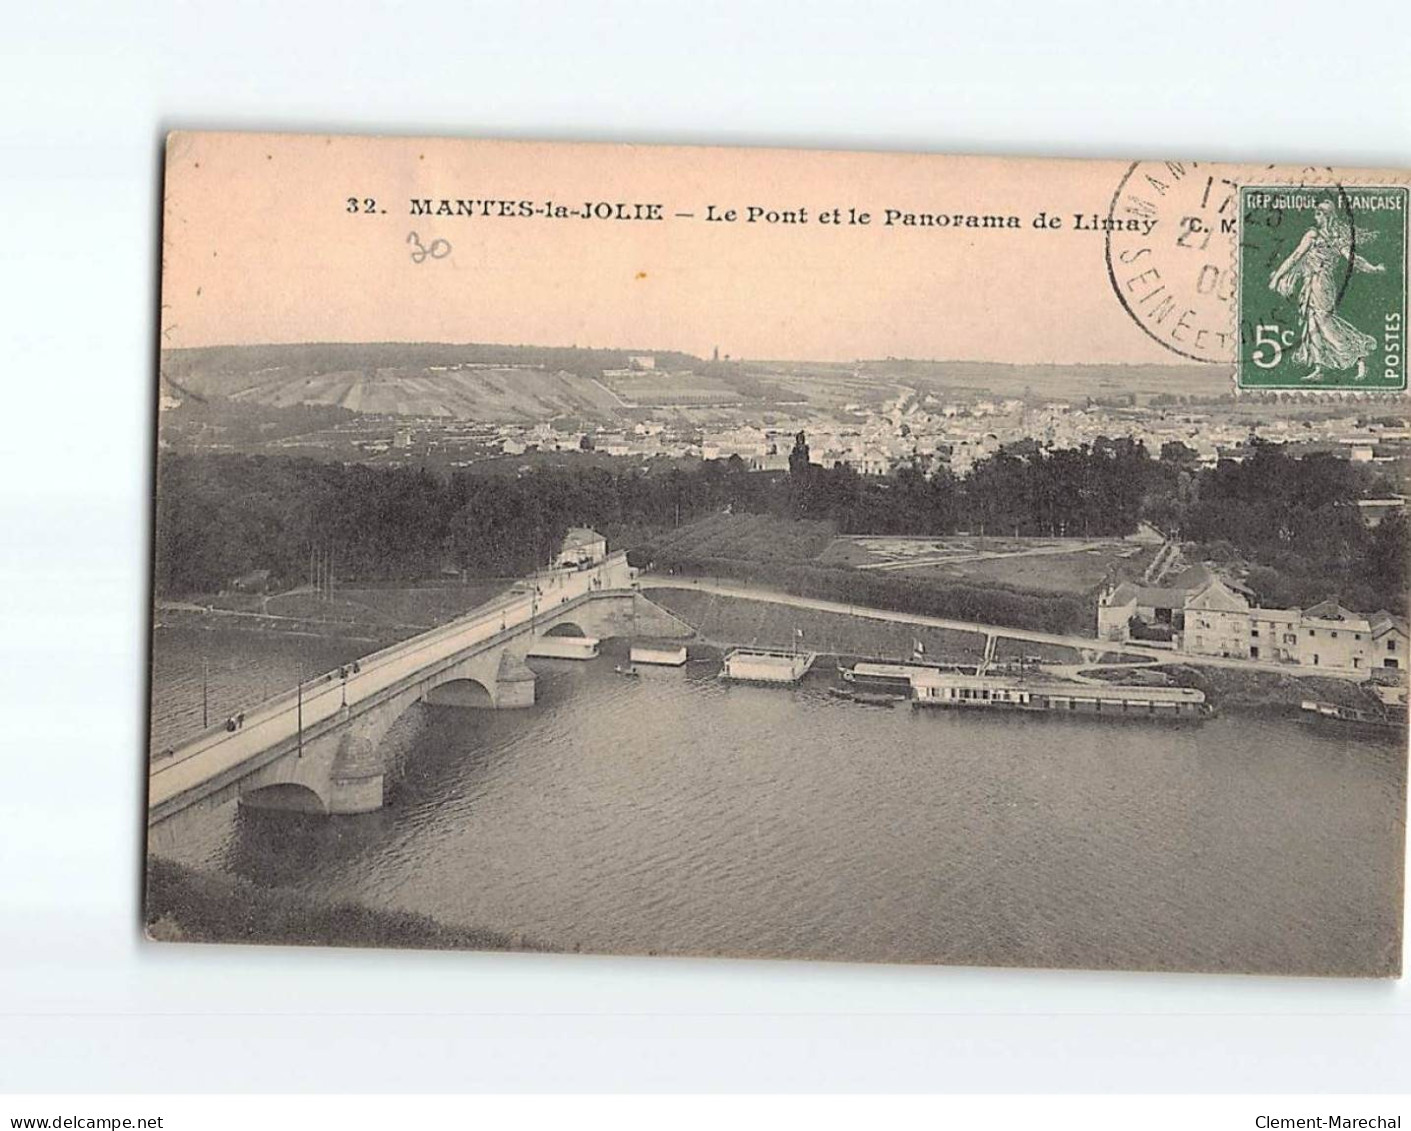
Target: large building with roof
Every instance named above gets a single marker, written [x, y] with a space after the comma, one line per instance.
[1131, 611]
[1217, 618]
[1330, 636]
[1389, 641]
[1218, 622]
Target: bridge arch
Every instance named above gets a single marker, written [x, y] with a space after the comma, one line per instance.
[463, 691]
[286, 796]
[565, 628]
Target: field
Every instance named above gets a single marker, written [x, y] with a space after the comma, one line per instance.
[830, 384]
[747, 538]
[487, 395]
[1056, 565]
[667, 389]
[1049, 382]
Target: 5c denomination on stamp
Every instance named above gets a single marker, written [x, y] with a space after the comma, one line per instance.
[1322, 287]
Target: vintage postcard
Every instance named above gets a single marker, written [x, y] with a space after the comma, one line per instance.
[851, 556]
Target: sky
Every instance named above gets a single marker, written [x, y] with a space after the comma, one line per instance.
[260, 244]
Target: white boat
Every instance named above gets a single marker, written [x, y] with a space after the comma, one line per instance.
[667, 655]
[766, 665]
[564, 648]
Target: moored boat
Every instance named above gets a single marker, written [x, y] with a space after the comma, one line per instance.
[880, 676]
[866, 698]
[668, 655]
[1105, 700]
[765, 665]
[1334, 713]
[564, 648]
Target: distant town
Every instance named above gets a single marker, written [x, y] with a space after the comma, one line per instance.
[1149, 499]
[872, 417]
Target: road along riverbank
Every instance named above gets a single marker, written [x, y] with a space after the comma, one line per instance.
[721, 614]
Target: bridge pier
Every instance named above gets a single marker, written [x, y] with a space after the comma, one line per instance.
[514, 683]
[355, 779]
[355, 795]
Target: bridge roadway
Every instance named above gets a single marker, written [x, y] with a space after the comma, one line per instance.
[218, 751]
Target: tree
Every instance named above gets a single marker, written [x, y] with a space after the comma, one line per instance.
[801, 479]
[799, 458]
[1387, 561]
[1179, 454]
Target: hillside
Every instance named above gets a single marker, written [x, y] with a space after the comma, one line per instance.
[1057, 382]
[483, 383]
[505, 384]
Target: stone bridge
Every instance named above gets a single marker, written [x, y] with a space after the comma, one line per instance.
[317, 747]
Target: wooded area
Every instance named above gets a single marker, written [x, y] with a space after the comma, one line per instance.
[1293, 523]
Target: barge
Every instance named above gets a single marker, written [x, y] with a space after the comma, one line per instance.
[765, 665]
[875, 676]
[1321, 712]
[1003, 693]
[892, 677]
[866, 698]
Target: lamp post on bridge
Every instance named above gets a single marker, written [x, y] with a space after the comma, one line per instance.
[300, 706]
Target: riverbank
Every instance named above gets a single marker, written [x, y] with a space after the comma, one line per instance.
[187, 617]
[766, 624]
[1232, 688]
[792, 556]
[381, 615]
[185, 905]
[724, 621]
[762, 623]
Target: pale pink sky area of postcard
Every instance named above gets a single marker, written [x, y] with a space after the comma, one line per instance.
[259, 247]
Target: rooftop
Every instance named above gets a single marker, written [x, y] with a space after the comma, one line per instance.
[582, 536]
[1127, 592]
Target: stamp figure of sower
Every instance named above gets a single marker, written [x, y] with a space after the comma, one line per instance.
[1310, 275]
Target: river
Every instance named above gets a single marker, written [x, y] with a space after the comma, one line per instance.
[676, 814]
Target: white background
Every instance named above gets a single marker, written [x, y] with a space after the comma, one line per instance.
[86, 92]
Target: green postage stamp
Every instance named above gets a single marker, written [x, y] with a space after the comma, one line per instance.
[1322, 287]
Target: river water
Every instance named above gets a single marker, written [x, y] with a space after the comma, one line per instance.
[676, 814]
